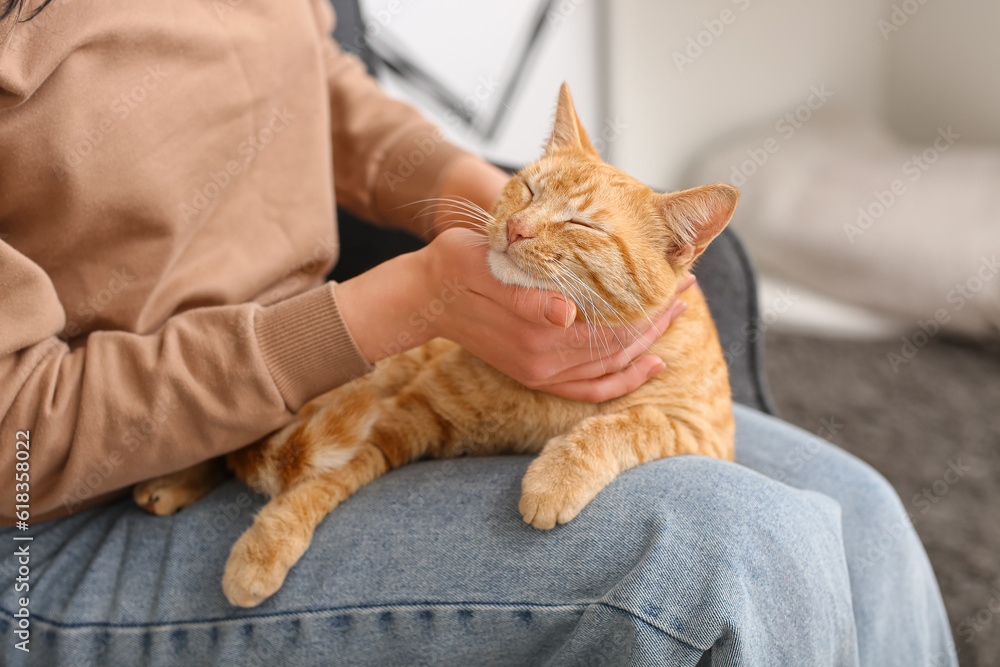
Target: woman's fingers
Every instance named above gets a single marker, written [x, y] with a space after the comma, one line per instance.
[610, 386]
[689, 281]
[596, 364]
[539, 306]
[594, 347]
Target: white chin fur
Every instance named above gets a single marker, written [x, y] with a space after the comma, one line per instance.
[508, 273]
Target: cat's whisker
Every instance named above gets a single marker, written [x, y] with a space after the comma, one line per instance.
[455, 217]
[607, 325]
[453, 200]
[544, 279]
[631, 328]
[435, 208]
[464, 215]
[447, 221]
[641, 309]
[577, 299]
[477, 244]
[439, 208]
[482, 236]
[474, 206]
[461, 203]
[580, 298]
[473, 213]
[602, 337]
[614, 311]
[634, 331]
[591, 319]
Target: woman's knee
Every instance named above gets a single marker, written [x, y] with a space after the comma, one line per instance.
[803, 460]
[731, 507]
[728, 552]
[868, 493]
[878, 526]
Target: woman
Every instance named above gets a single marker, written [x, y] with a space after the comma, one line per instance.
[167, 187]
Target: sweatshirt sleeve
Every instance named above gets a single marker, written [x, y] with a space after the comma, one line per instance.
[118, 407]
[386, 155]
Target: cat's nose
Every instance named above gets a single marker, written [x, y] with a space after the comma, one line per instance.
[517, 230]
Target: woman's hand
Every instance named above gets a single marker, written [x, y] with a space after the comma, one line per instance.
[531, 335]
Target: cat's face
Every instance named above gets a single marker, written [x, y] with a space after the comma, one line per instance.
[573, 223]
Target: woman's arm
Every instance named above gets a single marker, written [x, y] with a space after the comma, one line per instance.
[113, 407]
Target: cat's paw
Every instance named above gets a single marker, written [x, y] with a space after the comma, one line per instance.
[554, 491]
[163, 495]
[255, 570]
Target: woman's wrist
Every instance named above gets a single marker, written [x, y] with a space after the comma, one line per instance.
[384, 308]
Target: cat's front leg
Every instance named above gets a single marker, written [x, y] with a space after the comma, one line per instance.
[575, 466]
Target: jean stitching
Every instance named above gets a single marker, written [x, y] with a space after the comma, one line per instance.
[300, 614]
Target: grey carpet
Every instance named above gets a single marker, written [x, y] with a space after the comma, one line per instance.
[940, 410]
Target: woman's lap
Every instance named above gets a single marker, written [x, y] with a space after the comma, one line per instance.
[432, 564]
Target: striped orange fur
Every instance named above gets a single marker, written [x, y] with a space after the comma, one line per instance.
[607, 241]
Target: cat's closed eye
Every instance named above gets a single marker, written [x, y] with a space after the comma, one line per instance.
[527, 186]
[585, 225]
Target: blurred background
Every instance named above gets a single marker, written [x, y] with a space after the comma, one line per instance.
[864, 137]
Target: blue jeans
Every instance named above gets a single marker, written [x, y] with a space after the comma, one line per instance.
[801, 555]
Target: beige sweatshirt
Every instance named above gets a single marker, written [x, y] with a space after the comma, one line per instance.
[168, 173]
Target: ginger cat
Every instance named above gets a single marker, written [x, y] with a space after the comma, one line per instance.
[571, 223]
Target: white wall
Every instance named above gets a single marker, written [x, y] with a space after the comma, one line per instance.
[760, 67]
[468, 41]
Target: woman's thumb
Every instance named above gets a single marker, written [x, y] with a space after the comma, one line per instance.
[539, 306]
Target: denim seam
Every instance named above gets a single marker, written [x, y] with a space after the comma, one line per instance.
[655, 626]
[580, 606]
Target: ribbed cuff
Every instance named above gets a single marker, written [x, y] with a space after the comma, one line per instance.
[307, 346]
[412, 172]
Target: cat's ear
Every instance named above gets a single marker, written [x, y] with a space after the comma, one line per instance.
[567, 131]
[695, 217]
